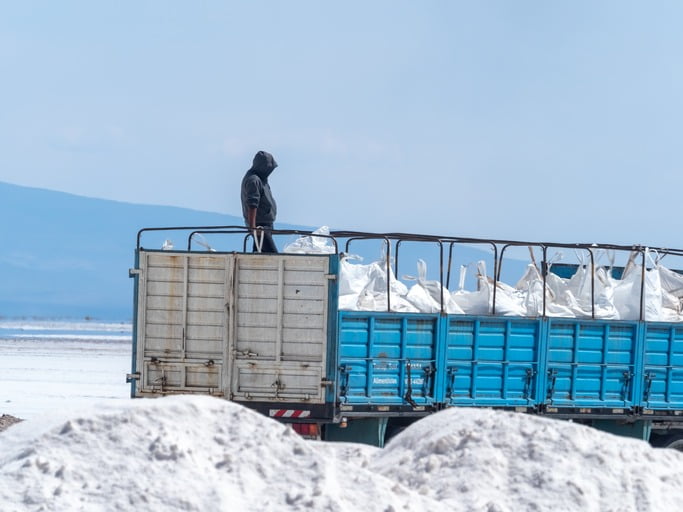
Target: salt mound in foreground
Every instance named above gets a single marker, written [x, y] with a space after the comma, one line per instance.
[202, 453]
[182, 453]
[481, 459]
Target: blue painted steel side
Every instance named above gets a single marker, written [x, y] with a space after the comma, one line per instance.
[590, 363]
[662, 376]
[387, 358]
[491, 361]
[332, 318]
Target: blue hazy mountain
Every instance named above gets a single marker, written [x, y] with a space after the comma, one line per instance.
[67, 256]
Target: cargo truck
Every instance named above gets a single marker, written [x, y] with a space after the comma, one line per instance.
[266, 331]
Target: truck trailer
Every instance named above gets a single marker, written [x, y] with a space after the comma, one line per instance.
[266, 331]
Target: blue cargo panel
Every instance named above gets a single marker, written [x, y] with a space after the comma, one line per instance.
[491, 361]
[590, 363]
[662, 386]
[377, 353]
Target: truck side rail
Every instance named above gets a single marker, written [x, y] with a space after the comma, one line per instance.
[393, 241]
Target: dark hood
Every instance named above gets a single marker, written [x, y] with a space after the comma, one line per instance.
[264, 164]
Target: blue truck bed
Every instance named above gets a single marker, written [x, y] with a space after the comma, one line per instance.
[552, 366]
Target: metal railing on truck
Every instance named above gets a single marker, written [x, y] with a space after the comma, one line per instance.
[446, 244]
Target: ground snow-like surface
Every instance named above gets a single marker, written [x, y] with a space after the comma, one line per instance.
[205, 454]
[479, 459]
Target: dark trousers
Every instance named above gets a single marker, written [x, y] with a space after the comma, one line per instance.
[268, 242]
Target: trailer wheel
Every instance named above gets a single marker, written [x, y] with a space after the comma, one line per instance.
[397, 425]
[672, 440]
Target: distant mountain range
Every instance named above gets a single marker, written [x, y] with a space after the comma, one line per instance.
[67, 256]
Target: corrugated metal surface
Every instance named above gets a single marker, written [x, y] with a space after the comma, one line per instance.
[591, 363]
[280, 328]
[279, 346]
[662, 385]
[182, 323]
[249, 326]
[491, 361]
[378, 351]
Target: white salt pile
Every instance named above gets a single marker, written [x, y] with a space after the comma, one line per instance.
[202, 453]
[480, 459]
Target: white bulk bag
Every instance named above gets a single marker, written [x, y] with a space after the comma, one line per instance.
[369, 300]
[579, 285]
[373, 296]
[426, 295]
[353, 277]
[509, 301]
[627, 293]
[309, 244]
[477, 302]
[672, 294]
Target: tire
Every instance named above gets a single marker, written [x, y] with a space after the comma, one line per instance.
[397, 425]
[673, 440]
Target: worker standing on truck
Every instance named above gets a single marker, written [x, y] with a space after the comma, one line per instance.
[258, 206]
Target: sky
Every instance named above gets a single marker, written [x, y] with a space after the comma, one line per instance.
[133, 455]
[532, 120]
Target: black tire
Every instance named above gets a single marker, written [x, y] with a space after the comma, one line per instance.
[672, 440]
[397, 425]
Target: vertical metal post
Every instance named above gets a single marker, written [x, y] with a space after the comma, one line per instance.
[388, 273]
[450, 263]
[642, 287]
[544, 270]
[590, 252]
[441, 275]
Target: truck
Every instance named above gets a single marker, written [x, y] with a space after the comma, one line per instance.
[266, 331]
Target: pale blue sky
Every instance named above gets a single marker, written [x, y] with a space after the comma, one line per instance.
[539, 120]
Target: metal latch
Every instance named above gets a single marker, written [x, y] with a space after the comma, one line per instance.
[331, 277]
[132, 272]
[649, 377]
[344, 372]
[245, 353]
[408, 397]
[278, 385]
[130, 377]
[530, 373]
[552, 373]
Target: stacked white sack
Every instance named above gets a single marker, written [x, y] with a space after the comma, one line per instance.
[312, 244]
[364, 288]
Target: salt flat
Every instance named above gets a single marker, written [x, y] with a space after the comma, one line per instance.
[47, 366]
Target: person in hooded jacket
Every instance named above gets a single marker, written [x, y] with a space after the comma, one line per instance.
[258, 206]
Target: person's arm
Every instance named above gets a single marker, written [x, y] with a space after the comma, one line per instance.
[251, 217]
[252, 186]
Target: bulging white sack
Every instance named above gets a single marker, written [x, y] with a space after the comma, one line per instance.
[509, 301]
[309, 244]
[372, 301]
[353, 277]
[364, 287]
[426, 295]
[629, 289]
[476, 302]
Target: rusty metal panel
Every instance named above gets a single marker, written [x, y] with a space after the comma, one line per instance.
[248, 326]
[182, 321]
[278, 382]
[171, 378]
[279, 334]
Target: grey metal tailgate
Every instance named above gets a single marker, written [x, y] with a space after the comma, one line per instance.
[279, 328]
[250, 327]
